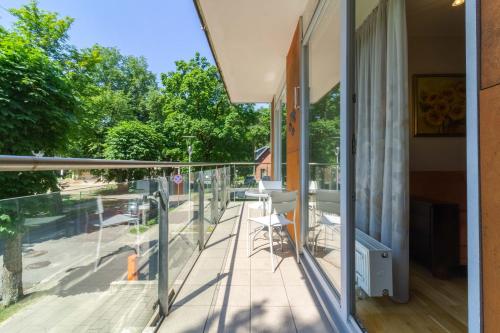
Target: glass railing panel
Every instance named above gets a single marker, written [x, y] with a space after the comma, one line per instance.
[220, 192]
[182, 227]
[245, 176]
[208, 197]
[243, 180]
[228, 185]
[87, 257]
[89, 254]
[225, 186]
[324, 176]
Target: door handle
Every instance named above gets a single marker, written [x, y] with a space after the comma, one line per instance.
[296, 101]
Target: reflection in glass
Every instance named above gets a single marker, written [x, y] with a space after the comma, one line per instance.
[323, 128]
[82, 249]
[324, 184]
[283, 141]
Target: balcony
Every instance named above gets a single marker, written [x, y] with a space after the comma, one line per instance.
[167, 251]
[227, 291]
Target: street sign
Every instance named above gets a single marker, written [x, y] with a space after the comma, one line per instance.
[177, 179]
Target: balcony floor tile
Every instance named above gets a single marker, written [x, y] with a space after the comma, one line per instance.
[246, 295]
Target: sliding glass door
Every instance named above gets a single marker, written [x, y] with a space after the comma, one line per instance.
[357, 230]
[324, 222]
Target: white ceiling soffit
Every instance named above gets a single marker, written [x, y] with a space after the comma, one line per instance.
[250, 41]
[324, 53]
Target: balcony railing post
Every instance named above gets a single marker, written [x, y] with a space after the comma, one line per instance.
[201, 211]
[163, 198]
[214, 198]
[217, 194]
[229, 187]
[223, 188]
[233, 177]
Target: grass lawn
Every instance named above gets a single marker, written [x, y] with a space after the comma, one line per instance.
[143, 228]
[9, 311]
[134, 230]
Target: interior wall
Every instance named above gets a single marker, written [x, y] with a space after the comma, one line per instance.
[438, 164]
[435, 55]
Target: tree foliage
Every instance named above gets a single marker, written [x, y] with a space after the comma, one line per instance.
[112, 88]
[324, 127]
[133, 140]
[127, 74]
[196, 104]
[37, 105]
[43, 29]
[66, 101]
[37, 108]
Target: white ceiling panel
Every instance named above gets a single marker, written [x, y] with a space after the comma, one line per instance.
[250, 40]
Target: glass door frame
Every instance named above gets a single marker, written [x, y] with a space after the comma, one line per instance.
[341, 311]
[277, 133]
[474, 246]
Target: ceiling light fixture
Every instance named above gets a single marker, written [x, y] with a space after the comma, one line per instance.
[457, 3]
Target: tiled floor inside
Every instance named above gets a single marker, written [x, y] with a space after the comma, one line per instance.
[227, 291]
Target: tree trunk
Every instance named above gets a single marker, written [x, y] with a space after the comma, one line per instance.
[12, 272]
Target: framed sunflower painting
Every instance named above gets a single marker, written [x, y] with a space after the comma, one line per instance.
[439, 105]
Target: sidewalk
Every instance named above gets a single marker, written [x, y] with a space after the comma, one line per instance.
[74, 298]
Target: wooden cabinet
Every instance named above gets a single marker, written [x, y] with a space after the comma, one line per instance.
[434, 235]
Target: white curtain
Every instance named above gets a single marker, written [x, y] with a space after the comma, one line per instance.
[382, 129]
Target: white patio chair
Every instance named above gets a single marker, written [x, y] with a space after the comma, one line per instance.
[328, 206]
[264, 186]
[313, 186]
[280, 203]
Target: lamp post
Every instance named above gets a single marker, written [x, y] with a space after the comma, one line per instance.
[190, 151]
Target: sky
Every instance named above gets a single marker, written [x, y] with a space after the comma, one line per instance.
[162, 31]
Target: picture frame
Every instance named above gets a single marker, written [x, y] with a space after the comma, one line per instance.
[439, 105]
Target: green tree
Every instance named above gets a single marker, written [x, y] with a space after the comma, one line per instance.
[37, 109]
[259, 134]
[112, 88]
[43, 29]
[99, 112]
[37, 106]
[132, 140]
[127, 74]
[196, 104]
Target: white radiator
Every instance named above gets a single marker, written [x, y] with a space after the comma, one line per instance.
[373, 266]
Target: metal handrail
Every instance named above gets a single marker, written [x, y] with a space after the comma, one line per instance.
[35, 163]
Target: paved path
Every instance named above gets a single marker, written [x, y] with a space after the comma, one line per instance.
[229, 292]
[88, 301]
[74, 298]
